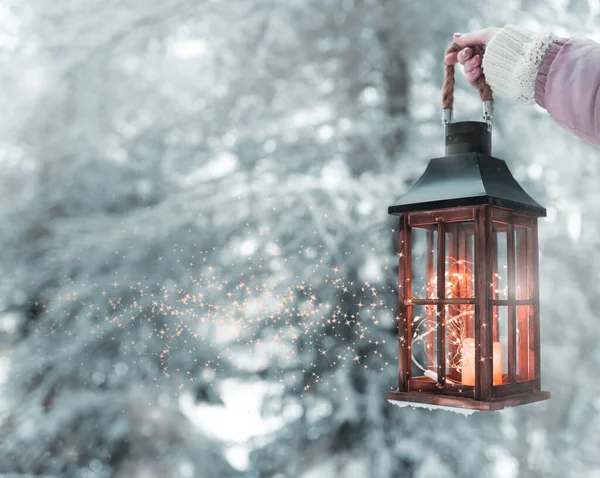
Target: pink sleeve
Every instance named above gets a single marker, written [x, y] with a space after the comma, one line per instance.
[567, 86]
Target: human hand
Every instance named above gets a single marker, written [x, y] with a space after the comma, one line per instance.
[472, 64]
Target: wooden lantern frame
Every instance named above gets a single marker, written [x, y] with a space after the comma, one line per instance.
[484, 395]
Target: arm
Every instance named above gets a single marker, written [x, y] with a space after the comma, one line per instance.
[567, 87]
[561, 75]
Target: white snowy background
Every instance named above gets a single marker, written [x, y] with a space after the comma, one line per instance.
[196, 262]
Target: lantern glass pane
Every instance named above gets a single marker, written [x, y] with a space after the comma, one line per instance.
[521, 263]
[500, 346]
[460, 343]
[424, 339]
[525, 347]
[500, 264]
[459, 271]
[424, 262]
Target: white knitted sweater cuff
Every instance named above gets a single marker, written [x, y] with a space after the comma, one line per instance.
[512, 59]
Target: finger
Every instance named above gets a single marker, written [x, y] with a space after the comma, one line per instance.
[464, 55]
[472, 63]
[478, 37]
[474, 75]
[451, 58]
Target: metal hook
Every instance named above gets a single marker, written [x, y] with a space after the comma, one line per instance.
[488, 113]
[446, 116]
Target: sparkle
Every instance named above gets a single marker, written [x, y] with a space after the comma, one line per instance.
[251, 322]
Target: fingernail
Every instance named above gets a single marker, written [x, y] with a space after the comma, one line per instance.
[466, 51]
[456, 35]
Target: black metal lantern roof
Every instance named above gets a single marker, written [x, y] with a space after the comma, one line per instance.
[467, 176]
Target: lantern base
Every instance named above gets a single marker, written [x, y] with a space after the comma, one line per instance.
[430, 400]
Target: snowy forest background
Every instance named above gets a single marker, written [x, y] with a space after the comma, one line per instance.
[197, 269]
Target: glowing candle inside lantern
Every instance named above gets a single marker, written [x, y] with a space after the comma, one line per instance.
[497, 363]
[468, 362]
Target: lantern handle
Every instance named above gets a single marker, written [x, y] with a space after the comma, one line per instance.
[485, 91]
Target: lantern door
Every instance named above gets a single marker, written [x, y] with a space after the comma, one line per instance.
[438, 301]
[514, 300]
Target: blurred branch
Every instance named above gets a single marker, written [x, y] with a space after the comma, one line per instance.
[331, 242]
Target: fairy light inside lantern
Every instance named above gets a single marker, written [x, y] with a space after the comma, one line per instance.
[468, 309]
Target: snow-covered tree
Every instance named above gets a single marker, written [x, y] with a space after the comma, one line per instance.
[193, 198]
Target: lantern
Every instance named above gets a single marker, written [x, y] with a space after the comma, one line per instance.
[468, 309]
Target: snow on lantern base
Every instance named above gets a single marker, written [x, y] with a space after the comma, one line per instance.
[466, 406]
